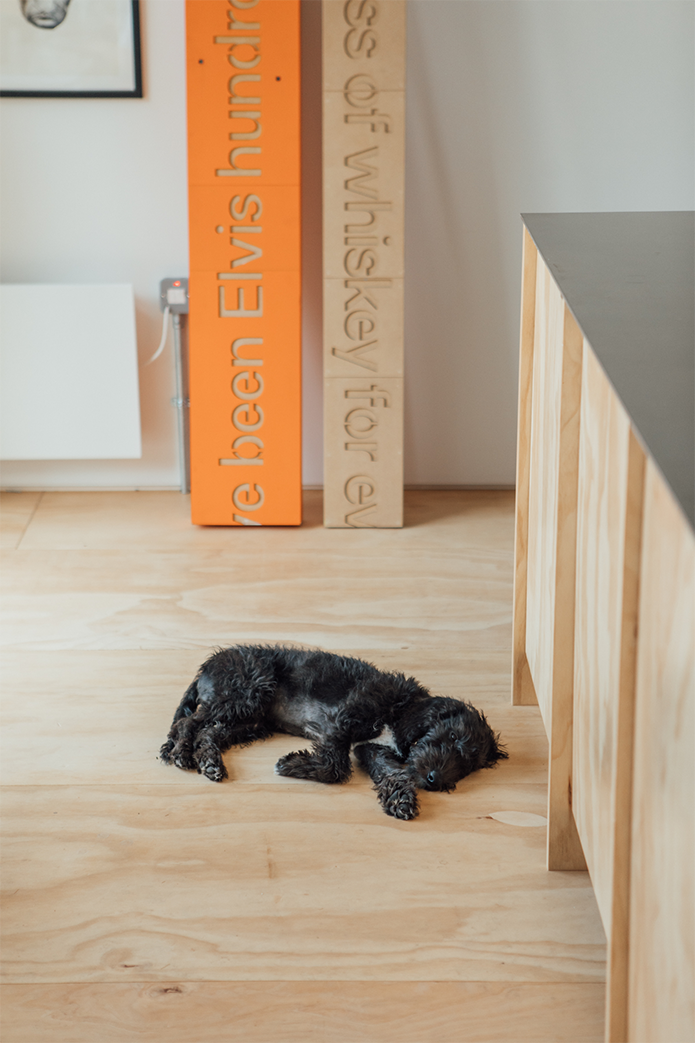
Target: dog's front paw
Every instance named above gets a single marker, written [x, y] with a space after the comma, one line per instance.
[398, 798]
[212, 769]
[294, 765]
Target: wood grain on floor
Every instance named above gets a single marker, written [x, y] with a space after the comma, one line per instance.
[142, 903]
[306, 1012]
[340, 1012]
[17, 511]
[296, 880]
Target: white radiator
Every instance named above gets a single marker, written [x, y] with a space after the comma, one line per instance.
[68, 373]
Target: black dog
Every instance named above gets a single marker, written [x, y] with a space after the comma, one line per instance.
[250, 691]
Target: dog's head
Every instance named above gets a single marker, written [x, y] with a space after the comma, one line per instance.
[453, 748]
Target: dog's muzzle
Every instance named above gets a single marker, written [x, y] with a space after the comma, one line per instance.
[434, 780]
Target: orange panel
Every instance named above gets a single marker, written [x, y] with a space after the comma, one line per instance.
[245, 288]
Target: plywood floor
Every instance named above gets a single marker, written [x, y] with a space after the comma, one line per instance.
[141, 903]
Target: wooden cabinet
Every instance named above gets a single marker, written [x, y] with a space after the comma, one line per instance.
[609, 504]
[662, 914]
[604, 603]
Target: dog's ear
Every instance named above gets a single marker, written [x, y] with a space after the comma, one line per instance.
[497, 752]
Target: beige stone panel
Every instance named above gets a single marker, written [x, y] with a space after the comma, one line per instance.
[292, 882]
[364, 38]
[661, 1006]
[364, 104]
[363, 187]
[363, 484]
[363, 329]
[302, 1012]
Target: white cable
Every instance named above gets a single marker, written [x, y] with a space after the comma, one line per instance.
[165, 332]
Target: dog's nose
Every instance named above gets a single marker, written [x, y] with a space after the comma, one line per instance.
[432, 776]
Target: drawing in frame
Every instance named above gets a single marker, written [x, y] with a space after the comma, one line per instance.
[70, 49]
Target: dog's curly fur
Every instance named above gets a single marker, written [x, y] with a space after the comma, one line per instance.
[248, 692]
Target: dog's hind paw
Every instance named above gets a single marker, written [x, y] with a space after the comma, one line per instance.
[182, 757]
[165, 752]
[185, 763]
[398, 799]
[329, 764]
[296, 765]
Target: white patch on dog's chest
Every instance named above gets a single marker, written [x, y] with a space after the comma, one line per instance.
[386, 738]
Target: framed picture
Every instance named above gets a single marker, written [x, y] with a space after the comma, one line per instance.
[70, 49]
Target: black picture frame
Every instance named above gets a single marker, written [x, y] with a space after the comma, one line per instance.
[136, 92]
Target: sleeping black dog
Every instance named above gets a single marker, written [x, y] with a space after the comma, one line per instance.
[248, 692]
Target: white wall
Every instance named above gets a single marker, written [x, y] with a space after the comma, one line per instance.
[520, 107]
[514, 105]
[94, 190]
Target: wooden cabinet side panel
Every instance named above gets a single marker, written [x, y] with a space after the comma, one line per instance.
[550, 578]
[662, 909]
[618, 950]
[609, 522]
[601, 506]
[564, 848]
[522, 686]
[544, 459]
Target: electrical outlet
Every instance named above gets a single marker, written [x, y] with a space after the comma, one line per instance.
[173, 293]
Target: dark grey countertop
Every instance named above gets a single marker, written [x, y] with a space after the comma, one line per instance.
[629, 280]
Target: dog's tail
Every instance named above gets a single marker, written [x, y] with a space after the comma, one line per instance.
[186, 707]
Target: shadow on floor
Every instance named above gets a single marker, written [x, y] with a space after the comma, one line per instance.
[424, 506]
[421, 506]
